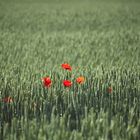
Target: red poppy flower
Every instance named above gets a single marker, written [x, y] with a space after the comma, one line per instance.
[66, 66]
[46, 81]
[109, 90]
[67, 83]
[7, 100]
[80, 80]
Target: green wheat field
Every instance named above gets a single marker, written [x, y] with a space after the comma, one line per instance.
[101, 42]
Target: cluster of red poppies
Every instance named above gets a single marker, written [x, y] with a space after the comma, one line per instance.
[47, 82]
[67, 83]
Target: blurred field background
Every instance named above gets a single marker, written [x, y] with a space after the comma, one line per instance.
[101, 41]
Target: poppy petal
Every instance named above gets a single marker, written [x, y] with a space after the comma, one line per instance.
[67, 83]
[46, 81]
[66, 66]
